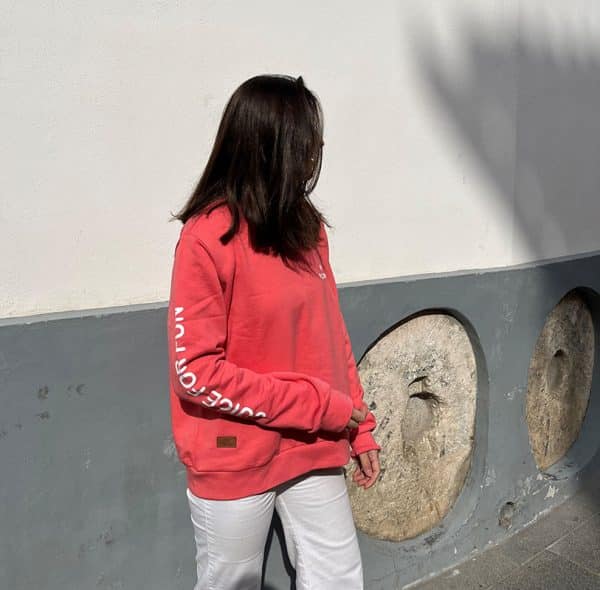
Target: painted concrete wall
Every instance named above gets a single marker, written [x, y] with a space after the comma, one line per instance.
[459, 135]
[93, 495]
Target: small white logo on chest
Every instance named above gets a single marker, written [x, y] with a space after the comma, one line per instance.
[321, 273]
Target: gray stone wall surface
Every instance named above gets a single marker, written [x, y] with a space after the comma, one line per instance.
[93, 496]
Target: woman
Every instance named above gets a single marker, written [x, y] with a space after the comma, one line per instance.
[266, 401]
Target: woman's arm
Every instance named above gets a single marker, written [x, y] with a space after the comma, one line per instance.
[200, 373]
[361, 438]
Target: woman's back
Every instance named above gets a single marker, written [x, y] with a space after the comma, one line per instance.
[231, 303]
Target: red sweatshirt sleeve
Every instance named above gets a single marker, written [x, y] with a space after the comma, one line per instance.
[201, 374]
[361, 438]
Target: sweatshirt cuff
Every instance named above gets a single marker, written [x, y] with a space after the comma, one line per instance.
[338, 412]
[362, 443]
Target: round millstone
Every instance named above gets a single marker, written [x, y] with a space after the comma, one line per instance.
[420, 381]
[560, 379]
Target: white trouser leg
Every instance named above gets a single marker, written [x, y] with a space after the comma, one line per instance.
[230, 540]
[320, 533]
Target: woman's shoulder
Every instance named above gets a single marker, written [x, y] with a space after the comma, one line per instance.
[208, 225]
[204, 229]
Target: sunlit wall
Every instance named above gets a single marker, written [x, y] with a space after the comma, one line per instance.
[460, 135]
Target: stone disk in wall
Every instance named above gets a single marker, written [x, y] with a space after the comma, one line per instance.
[560, 379]
[420, 381]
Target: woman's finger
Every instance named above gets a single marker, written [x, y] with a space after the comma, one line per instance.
[374, 456]
[367, 468]
[358, 415]
[365, 409]
[361, 481]
[375, 468]
[365, 462]
[359, 477]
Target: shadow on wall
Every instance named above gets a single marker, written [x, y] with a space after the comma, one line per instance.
[525, 106]
[527, 111]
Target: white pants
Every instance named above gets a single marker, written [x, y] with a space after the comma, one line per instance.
[319, 531]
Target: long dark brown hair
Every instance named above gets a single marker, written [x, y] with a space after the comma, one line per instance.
[264, 164]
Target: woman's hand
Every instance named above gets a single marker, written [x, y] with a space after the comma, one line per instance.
[367, 468]
[357, 416]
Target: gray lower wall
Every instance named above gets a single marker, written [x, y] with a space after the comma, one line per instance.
[93, 495]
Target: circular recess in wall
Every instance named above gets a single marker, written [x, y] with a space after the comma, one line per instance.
[420, 381]
[559, 379]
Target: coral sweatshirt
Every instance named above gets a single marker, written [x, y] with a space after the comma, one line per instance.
[262, 375]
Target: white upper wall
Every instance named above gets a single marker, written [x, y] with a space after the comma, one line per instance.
[448, 145]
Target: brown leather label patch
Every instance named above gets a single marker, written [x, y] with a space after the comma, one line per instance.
[227, 442]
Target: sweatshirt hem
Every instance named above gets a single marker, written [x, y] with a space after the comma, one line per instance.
[232, 485]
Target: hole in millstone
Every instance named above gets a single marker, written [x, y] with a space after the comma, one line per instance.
[506, 515]
[420, 411]
[418, 382]
[557, 371]
[419, 388]
[426, 395]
